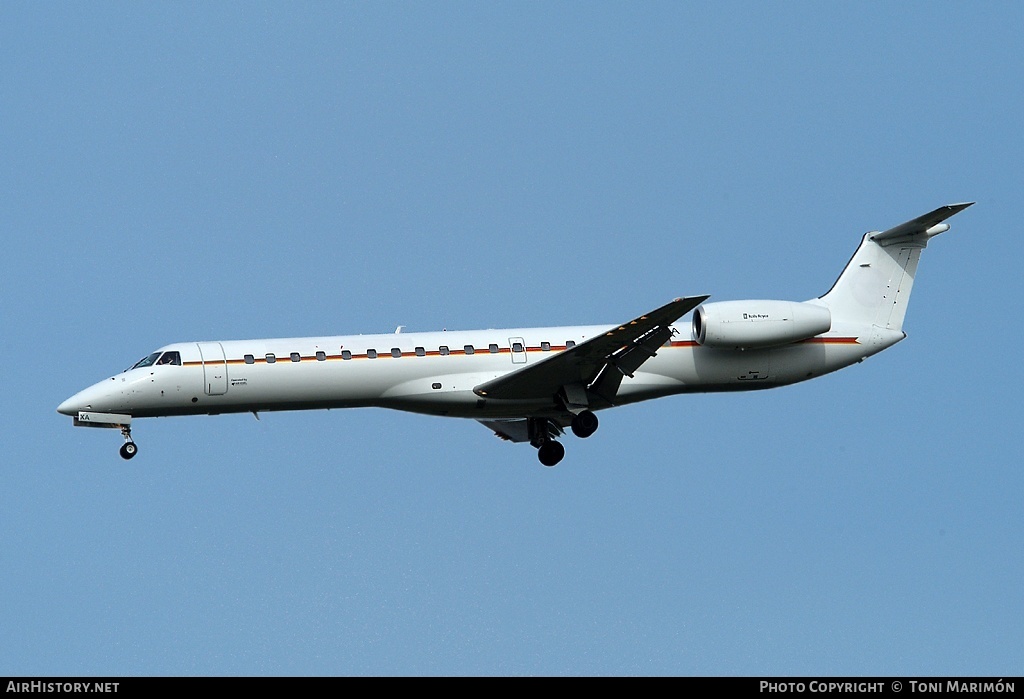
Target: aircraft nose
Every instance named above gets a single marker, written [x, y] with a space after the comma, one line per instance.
[96, 397]
[72, 405]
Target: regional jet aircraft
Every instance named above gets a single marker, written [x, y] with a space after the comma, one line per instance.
[531, 384]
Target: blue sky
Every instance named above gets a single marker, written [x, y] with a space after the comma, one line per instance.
[185, 172]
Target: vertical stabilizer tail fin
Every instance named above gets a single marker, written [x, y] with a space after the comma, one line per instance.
[874, 288]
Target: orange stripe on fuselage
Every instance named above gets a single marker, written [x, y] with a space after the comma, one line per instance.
[832, 341]
[810, 340]
[485, 351]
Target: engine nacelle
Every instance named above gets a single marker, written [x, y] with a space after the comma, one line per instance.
[753, 324]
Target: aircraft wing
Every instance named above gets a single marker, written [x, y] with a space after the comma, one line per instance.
[598, 363]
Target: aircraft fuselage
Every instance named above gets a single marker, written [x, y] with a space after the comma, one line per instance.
[433, 373]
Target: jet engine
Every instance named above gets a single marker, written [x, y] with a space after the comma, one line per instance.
[755, 324]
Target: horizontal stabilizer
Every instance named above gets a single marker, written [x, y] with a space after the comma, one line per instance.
[922, 224]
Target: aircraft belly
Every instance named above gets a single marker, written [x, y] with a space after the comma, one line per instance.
[311, 385]
[452, 395]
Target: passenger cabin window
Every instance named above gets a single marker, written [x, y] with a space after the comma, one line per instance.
[371, 354]
[396, 353]
[492, 348]
[296, 357]
[146, 361]
[321, 356]
[569, 344]
[170, 358]
[517, 347]
[249, 359]
[468, 349]
[421, 352]
[271, 359]
[443, 350]
[545, 346]
[346, 354]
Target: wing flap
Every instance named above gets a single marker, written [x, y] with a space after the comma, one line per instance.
[515, 429]
[627, 360]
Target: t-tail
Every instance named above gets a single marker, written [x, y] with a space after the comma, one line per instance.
[874, 289]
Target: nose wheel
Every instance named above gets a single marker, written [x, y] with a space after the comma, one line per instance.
[128, 449]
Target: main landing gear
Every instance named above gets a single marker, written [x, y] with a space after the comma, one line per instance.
[584, 424]
[543, 432]
[550, 452]
[128, 449]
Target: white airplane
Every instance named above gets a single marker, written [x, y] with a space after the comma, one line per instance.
[529, 384]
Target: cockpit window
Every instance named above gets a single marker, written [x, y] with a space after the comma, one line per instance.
[146, 361]
[170, 358]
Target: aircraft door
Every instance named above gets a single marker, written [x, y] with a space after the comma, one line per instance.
[518, 348]
[215, 368]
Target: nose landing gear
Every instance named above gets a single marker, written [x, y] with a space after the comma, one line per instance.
[128, 449]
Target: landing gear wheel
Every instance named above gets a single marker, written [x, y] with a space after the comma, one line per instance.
[584, 424]
[128, 449]
[550, 453]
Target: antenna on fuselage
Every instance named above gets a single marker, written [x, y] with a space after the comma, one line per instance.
[399, 329]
